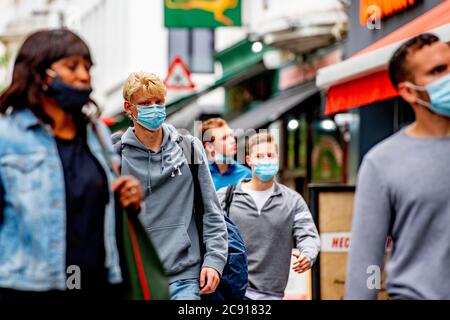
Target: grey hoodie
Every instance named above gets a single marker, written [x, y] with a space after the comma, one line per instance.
[167, 212]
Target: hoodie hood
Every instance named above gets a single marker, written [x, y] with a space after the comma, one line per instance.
[170, 137]
[156, 166]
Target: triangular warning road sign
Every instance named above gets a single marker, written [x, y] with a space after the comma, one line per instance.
[179, 76]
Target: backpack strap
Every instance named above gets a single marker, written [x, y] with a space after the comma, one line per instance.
[229, 198]
[116, 139]
[118, 146]
[188, 148]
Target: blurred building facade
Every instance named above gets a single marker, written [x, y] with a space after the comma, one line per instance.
[258, 75]
[266, 81]
[358, 91]
[125, 36]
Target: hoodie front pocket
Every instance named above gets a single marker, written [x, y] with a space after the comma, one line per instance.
[172, 243]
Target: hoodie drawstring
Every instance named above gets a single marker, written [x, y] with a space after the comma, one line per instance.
[162, 159]
[149, 183]
[176, 168]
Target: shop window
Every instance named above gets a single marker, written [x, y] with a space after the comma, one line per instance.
[297, 143]
[194, 46]
[327, 153]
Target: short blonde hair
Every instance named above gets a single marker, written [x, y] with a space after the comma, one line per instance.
[148, 82]
[260, 138]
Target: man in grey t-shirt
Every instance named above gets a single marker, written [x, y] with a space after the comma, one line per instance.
[403, 188]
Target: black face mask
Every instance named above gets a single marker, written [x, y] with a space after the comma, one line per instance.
[69, 98]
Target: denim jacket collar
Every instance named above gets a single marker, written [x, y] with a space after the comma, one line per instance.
[25, 118]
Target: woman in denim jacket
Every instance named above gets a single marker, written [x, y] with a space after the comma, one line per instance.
[57, 191]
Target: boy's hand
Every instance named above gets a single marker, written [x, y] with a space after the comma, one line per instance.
[302, 264]
[209, 280]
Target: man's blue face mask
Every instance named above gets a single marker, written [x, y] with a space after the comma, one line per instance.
[151, 117]
[439, 93]
[266, 170]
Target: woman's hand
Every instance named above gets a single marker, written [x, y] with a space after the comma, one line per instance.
[130, 192]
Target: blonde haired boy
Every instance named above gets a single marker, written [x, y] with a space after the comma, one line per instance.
[151, 152]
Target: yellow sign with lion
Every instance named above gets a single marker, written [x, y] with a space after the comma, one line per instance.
[202, 13]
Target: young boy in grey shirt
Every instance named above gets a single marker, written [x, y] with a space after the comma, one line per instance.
[270, 216]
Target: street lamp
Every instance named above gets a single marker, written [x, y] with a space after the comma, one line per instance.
[328, 125]
[257, 47]
[293, 125]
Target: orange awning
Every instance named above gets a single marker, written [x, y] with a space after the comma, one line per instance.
[376, 86]
[108, 121]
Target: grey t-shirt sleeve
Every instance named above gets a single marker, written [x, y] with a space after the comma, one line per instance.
[215, 233]
[370, 227]
[305, 232]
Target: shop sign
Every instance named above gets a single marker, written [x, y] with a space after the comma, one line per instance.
[340, 242]
[297, 74]
[371, 11]
[202, 13]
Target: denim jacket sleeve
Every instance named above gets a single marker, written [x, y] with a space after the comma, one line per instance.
[2, 201]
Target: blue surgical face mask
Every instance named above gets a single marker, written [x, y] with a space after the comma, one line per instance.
[222, 159]
[265, 170]
[439, 93]
[151, 117]
[68, 98]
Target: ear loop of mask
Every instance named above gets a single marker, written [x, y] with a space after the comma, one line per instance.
[54, 39]
[133, 118]
[130, 115]
[52, 74]
[419, 88]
